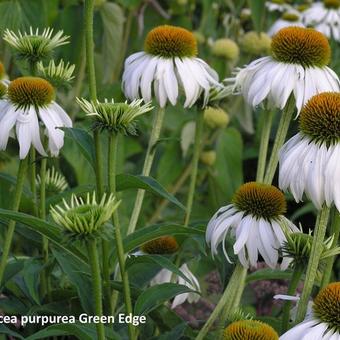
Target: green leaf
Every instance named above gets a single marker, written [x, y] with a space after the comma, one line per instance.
[81, 331]
[175, 333]
[257, 8]
[157, 295]
[13, 267]
[126, 181]
[31, 272]
[162, 261]
[6, 330]
[12, 16]
[84, 141]
[50, 230]
[78, 273]
[269, 274]
[113, 23]
[149, 233]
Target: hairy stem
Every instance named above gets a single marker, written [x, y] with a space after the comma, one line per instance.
[96, 285]
[313, 263]
[267, 118]
[335, 230]
[150, 154]
[293, 284]
[32, 178]
[280, 138]
[45, 282]
[112, 164]
[225, 300]
[194, 169]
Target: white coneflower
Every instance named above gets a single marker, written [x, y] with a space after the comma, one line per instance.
[290, 18]
[298, 66]
[35, 46]
[115, 117]
[84, 217]
[278, 5]
[310, 161]
[30, 99]
[168, 63]
[249, 330]
[324, 16]
[166, 275]
[323, 323]
[256, 219]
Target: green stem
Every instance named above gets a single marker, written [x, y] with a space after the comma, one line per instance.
[32, 174]
[42, 213]
[267, 118]
[96, 285]
[236, 292]
[335, 230]
[313, 263]
[89, 48]
[194, 169]
[225, 300]
[280, 138]
[112, 164]
[293, 284]
[15, 207]
[150, 154]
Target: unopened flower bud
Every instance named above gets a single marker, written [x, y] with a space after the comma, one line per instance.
[225, 48]
[256, 43]
[216, 117]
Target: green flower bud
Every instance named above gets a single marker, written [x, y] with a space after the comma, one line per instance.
[216, 118]
[256, 43]
[225, 48]
[208, 157]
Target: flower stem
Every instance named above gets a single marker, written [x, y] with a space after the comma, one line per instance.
[150, 154]
[15, 207]
[267, 118]
[237, 284]
[112, 164]
[335, 230]
[280, 138]
[296, 277]
[194, 169]
[89, 48]
[317, 245]
[32, 177]
[96, 285]
[45, 282]
[225, 300]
